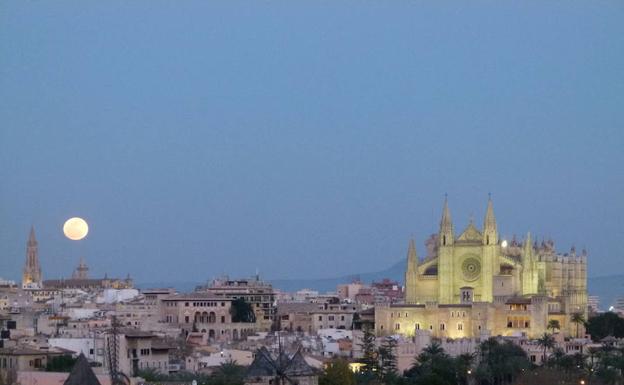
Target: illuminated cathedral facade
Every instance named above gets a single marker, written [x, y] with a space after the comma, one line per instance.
[477, 285]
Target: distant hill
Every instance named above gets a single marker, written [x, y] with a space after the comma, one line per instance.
[395, 272]
[608, 288]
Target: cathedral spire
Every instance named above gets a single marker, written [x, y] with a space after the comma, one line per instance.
[490, 233]
[32, 270]
[32, 240]
[412, 258]
[446, 236]
[411, 272]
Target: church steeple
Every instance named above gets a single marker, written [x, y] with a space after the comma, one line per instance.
[32, 241]
[32, 271]
[82, 271]
[412, 258]
[446, 235]
[411, 273]
[490, 232]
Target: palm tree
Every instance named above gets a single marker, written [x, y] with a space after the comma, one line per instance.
[547, 341]
[463, 366]
[433, 349]
[553, 324]
[578, 319]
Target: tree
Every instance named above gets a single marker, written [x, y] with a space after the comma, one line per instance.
[544, 375]
[578, 319]
[370, 357]
[63, 363]
[433, 367]
[337, 372]
[242, 311]
[463, 367]
[553, 325]
[547, 342]
[387, 356]
[500, 363]
[606, 324]
[229, 373]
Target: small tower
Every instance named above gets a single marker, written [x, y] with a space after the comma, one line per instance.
[490, 232]
[82, 271]
[529, 268]
[446, 239]
[491, 253]
[447, 235]
[411, 273]
[31, 277]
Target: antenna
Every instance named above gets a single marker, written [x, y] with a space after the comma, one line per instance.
[117, 377]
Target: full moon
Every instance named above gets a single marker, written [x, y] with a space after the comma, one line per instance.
[75, 228]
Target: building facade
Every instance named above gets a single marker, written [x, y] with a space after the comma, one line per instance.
[254, 291]
[205, 313]
[477, 284]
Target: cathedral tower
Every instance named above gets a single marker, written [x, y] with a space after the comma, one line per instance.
[411, 273]
[82, 271]
[31, 276]
[529, 269]
[446, 239]
[491, 251]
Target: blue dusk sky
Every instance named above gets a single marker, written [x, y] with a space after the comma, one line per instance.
[304, 139]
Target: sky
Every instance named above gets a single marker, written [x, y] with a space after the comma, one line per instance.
[304, 138]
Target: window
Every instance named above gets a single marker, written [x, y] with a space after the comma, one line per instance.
[330, 318]
[460, 326]
[342, 318]
[397, 326]
[417, 326]
[320, 318]
[186, 304]
[442, 326]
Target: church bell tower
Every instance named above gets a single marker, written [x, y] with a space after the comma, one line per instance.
[446, 239]
[31, 277]
[491, 251]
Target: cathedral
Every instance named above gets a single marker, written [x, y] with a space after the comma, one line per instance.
[477, 285]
